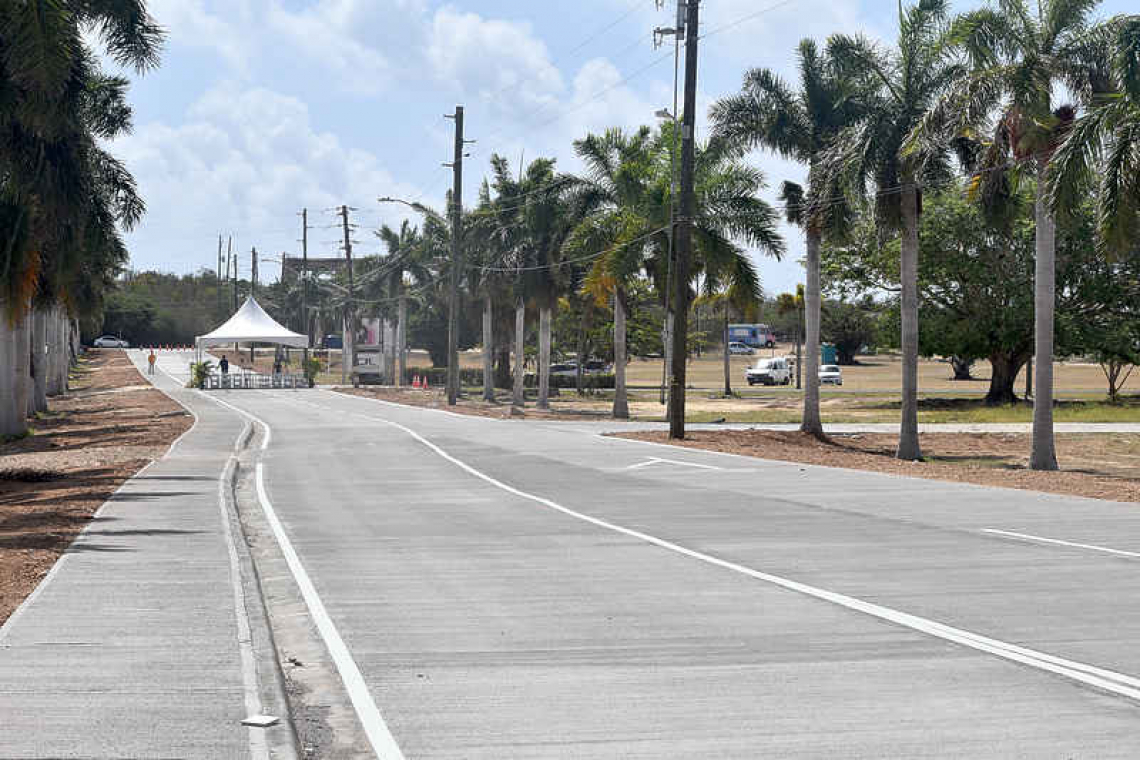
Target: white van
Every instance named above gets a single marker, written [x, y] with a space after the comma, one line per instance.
[769, 372]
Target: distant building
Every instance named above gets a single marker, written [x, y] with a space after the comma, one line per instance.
[291, 267]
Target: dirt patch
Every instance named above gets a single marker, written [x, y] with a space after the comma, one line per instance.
[51, 483]
[1096, 466]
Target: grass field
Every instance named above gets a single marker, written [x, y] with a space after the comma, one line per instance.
[869, 392]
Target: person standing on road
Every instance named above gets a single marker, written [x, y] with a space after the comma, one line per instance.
[150, 360]
[224, 366]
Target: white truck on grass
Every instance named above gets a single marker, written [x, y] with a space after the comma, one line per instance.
[774, 371]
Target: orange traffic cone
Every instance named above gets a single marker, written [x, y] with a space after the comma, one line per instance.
[415, 381]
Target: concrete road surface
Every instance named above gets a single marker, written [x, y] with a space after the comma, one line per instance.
[138, 644]
[513, 589]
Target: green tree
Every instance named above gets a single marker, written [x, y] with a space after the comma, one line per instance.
[849, 325]
[798, 124]
[907, 80]
[63, 197]
[626, 199]
[1099, 153]
[1019, 52]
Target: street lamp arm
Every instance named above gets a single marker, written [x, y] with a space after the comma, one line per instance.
[415, 206]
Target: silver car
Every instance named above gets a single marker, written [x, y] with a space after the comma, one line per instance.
[829, 373]
[110, 341]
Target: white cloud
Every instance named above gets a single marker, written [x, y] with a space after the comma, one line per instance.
[244, 162]
[501, 62]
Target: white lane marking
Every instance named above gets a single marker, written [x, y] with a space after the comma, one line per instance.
[381, 739]
[1101, 678]
[1059, 542]
[658, 460]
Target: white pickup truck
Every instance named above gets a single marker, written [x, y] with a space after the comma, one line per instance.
[769, 372]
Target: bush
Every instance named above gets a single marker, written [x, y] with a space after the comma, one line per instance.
[199, 371]
[311, 367]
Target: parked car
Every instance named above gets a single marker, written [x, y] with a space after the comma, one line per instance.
[565, 369]
[736, 347]
[829, 373]
[332, 341]
[110, 341]
[769, 372]
[596, 367]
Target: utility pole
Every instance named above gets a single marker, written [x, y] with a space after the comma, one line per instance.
[305, 278]
[218, 271]
[253, 273]
[684, 226]
[453, 285]
[348, 347]
[231, 259]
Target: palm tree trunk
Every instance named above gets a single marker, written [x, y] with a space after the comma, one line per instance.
[402, 338]
[488, 349]
[7, 376]
[55, 377]
[1044, 455]
[908, 275]
[811, 422]
[544, 356]
[621, 402]
[518, 397]
[39, 360]
[580, 352]
[727, 362]
[23, 370]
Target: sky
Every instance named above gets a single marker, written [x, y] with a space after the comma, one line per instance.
[263, 107]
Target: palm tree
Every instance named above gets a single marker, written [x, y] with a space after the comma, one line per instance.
[403, 246]
[534, 219]
[1100, 151]
[625, 200]
[732, 287]
[797, 124]
[63, 198]
[1017, 58]
[906, 79]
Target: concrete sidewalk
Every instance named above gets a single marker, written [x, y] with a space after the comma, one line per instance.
[136, 644]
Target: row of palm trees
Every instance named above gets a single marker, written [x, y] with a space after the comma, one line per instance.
[537, 238]
[875, 125]
[63, 198]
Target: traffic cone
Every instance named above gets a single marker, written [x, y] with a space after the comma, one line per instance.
[415, 381]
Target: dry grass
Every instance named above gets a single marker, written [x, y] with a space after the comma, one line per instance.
[1096, 466]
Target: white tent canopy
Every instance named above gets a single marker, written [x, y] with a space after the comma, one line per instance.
[252, 325]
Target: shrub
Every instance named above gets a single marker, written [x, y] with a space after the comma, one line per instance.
[311, 367]
[199, 371]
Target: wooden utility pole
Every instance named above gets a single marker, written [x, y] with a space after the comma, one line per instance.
[305, 277]
[684, 226]
[253, 273]
[348, 346]
[453, 285]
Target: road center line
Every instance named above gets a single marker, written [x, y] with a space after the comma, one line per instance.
[1111, 681]
[1042, 540]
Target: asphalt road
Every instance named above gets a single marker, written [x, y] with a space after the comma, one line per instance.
[523, 589]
